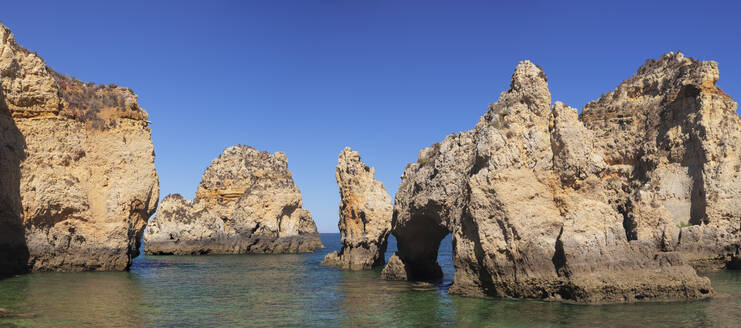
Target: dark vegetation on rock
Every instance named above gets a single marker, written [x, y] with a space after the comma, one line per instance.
[96, 104]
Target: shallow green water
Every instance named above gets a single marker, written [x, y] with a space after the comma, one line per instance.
[294, 290]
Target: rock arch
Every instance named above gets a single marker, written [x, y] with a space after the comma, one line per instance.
[544, 203]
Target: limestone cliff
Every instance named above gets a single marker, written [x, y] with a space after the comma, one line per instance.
[246, 203]
[76, 169]
[671, 138]
[603, 208]
[365, 215]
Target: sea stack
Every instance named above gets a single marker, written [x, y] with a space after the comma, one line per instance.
[77, 175]
[606, 207]
[246, 203]
[365, 215]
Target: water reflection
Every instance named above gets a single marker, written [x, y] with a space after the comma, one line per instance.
[722, 311]
[368, 301]
[74, 299]
[192, 291]
[295, 290]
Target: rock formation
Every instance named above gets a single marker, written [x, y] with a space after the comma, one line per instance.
[603, 208]
[672, 138]
[246, 203]
[365, 215]
[77, 169]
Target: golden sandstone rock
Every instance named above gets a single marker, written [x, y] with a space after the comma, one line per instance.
[609, 206]
[76, 169]
[246, 203]
[365, 215]
[621, 203]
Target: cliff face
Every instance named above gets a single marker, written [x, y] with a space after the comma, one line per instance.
[603, 208]
[671, 138]
[246, 203]
[365, 215]
[77, 166]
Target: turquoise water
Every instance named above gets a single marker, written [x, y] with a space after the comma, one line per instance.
[295, 290]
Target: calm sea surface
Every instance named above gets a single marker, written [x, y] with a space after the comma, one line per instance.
[295, 290]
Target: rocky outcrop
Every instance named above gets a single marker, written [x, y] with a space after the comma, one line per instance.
[76, 169]
[608, 207]
[246, 203]
[365, 215]
[671, 138]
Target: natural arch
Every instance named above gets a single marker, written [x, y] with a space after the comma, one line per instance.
[418, 235]
[418, 247]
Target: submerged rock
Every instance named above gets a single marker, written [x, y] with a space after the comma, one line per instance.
[77, 175]
[246, 203]
[8, 314]
[365, 215]
[603, 208]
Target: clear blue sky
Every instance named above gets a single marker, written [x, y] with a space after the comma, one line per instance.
[387, 78]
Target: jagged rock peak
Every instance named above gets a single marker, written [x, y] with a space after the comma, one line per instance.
[365, 215]
[664, 79]
[527, 101]
[680, 69]
[545, 204]
[528, 76]
[246, 203]
[238, 168]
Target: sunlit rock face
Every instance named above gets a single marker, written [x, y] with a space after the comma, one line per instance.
[609, 206]
[77, 175]
[365, 215]
[246, 203]
[672, 139]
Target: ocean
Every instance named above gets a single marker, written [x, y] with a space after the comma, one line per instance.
[295, 290]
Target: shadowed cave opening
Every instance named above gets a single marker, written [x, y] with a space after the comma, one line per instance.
[420, 246]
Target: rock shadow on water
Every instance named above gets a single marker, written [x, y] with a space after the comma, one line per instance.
[296, 290]
[719, 311]
[365, 300]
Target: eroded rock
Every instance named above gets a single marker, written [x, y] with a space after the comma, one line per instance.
[671, 137]
[365, 215]
[545, 204]
[246, 203]
[76, 169]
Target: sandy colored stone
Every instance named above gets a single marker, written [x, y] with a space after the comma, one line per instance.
[544, 204]
[76, 169]
[246, 203]
[365, 215]
[672, 138]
